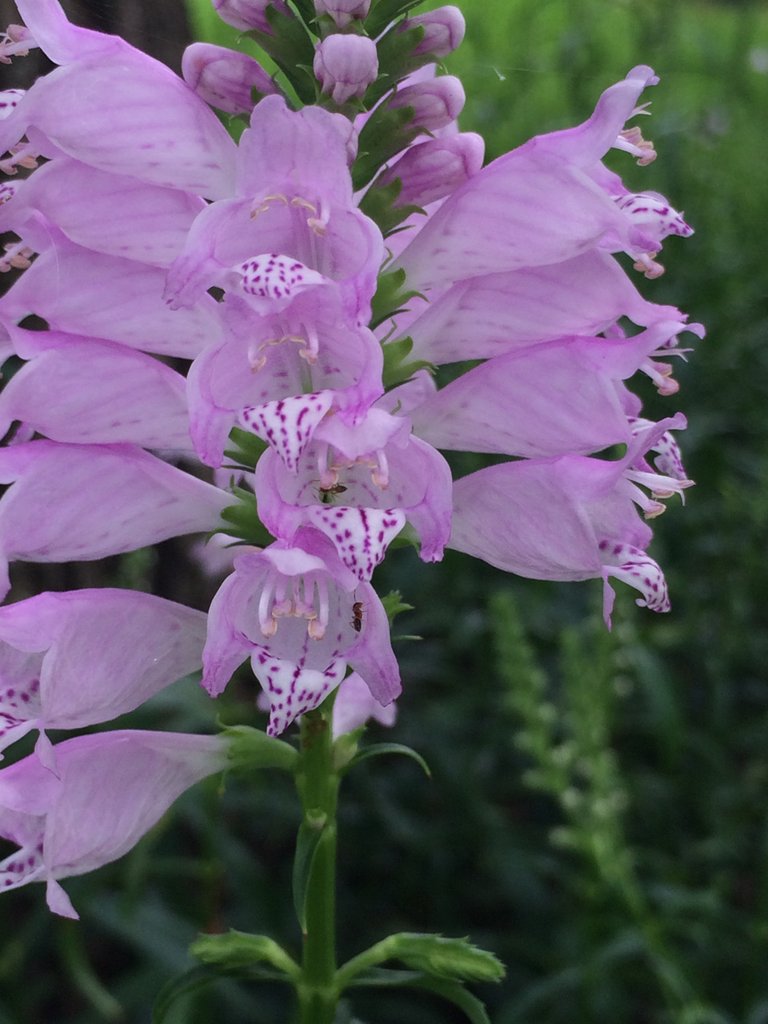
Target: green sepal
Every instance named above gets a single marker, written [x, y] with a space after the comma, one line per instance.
[345, 749]
[407, 538]
[390, 297]
[234, 950]
[290, 47]
[386, 132]
[311, 835]
[396, 60]
[394, 605]
[437, 956]
[245, 449]
[396, 369]
[241, 520]
[386, 11]
[252, 749]
[378, 749]
[378, 203]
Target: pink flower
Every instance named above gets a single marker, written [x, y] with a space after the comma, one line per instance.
[78, 658]
[111, 788]
[546, 202]
[345, 65]
[302, 617]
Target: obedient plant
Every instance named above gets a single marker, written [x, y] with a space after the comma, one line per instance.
[310, 246]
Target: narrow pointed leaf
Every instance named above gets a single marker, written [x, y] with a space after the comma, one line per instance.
[376, 749]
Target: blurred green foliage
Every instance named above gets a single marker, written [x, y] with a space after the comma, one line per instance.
[597, 809]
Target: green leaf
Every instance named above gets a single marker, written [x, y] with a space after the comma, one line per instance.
[198, 978]
[386, 11]
[452, 959]
[390, 298]
[239, 949]
[290, 47]
[395, 52]
[252, 749]
[306, 9]
[384, 977]
[191, 981]
[377, 749]
[386, 132]
[394, 605]
[380, 204]
[307, 845]
[454, 992]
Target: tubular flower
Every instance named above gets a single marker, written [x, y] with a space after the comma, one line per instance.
[311, 276]
[111, 788]
[82, 657]
[301, 616]
[545, 202]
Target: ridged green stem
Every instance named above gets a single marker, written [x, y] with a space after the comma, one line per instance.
[318, 784]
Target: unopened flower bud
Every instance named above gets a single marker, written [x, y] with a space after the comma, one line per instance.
[436, 102]
[433, 169]
[443, 31]
[225, 78]
[248, 14]
[345, 65]
[343, 11]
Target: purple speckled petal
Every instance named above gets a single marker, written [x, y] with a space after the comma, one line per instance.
[289, 424]
[360, 535]
[293, 689]
[270, 282]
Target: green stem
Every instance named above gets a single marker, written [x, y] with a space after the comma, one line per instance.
[318, 783]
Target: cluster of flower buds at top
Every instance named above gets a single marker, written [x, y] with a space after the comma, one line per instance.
[310, 327]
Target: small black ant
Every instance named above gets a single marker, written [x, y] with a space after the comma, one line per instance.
[357, 616]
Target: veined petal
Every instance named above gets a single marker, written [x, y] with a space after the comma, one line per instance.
[160, 131]
[556, 398]
[108, 499]
[489, 315]
[94, 654]
[295, 152]
[112, 788]
[372, 655]
[109, 213]
[514, 213]
[82, 391]
[86, 293]
[521, 518]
